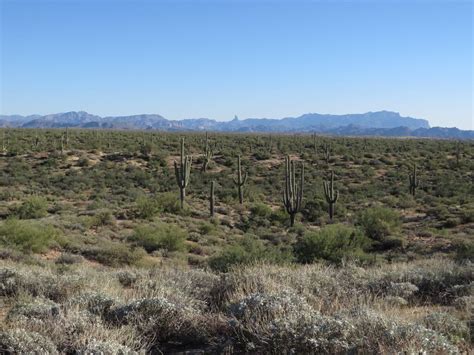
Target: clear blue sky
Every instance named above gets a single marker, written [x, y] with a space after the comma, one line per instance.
[214, 59]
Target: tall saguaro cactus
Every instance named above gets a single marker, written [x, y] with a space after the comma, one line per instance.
[211, 200]
[240, 182]
[458, 153]
[183, 172]
[4, 143]
[293, 194]
[270, 143]
[36, 143]
[331, 195]
[208, 153]
[327, 153]
[67, 138]
[61, 144]
[413, 180]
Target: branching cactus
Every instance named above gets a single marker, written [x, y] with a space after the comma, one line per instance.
[208, 154]
[183, 173]
[413, 180]
[293, 194]
[211, 200]
[331, 195]
[240, 181]
[67, 138]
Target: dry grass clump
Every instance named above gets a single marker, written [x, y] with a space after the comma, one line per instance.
[260, 308]
[95, 346]
[21, 279]
[20, 341]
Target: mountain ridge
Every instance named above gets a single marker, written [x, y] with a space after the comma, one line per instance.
[379, 123]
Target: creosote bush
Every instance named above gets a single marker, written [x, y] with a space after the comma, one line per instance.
[249, 250]
[334, 243]
[147, 207]
[114, 254]
[27, 236]
[157, 236]
[33, 207]
[379, 222]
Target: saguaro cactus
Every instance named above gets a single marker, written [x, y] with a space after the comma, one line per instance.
[331, 195]
[240, 182]
[183, 172]
[208, 153]
[36, 141]
[458, 153]
[270, 143]
[327, 152]
[4, 143]
[211, 200]
[67, 138]
[293, 194]
[414, 182]
[61, 144]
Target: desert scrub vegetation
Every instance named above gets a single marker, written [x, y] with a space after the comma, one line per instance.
[27, 236]
[249, 250]
[315, 244]
[158, 236]
[260, 308]
[336, 243]
[33, 207]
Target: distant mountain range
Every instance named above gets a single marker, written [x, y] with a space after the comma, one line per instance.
[381, 123]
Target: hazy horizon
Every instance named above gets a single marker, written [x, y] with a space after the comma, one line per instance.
[212, 118]
[216, 59]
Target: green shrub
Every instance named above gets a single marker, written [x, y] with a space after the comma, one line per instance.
[467, 214]
[314, 210]
[33, 207]
[452, 222]
[391, 242]
[262, 155]
[159, 236]
[103, 218]
[334, 243]
[114, 254]
[207, 228]
[27, 236]
[248, 250]
[279, 216]
[464, 250]
[260, 210]
[379, 222]
[147, 207]
[83, 162]
[168, 202]
[69, 259]
[146, 149]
